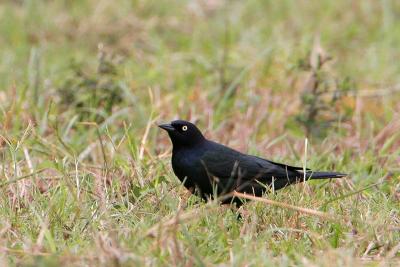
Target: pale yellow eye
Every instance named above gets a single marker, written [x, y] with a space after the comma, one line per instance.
[184, 128]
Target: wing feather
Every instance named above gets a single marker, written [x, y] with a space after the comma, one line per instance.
[226, 163]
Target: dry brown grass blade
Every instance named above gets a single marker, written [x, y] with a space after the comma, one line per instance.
[152, 232]
[22, 252]
[392, 253]
[11, 181]
[317, 213]
[178, 218]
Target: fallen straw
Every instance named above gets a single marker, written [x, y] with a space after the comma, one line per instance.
[286, 206]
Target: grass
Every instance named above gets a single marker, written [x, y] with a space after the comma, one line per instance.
[85, 174]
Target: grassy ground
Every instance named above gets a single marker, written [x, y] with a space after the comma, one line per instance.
[85, 174]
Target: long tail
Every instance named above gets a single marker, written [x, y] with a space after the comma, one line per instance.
[281, 183]
[324, 175]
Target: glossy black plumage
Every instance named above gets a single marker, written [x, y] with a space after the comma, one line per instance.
[211, 169]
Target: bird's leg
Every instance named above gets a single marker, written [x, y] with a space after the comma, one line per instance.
[237, 208]
[187, 195]
[243, 214]
[191, 189]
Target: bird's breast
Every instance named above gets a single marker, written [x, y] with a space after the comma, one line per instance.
[187, 165]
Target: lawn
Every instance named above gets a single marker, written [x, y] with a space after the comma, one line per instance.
[85, 173]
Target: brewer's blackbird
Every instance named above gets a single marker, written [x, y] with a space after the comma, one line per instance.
[209, 169]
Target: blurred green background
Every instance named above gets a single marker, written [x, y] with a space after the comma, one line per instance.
[85, 172]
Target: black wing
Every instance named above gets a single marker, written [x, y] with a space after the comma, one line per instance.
[237, 170]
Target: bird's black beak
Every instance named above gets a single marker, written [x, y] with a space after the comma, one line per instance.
[166, 126]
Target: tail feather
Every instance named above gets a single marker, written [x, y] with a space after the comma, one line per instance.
[281, 183]
[324, 175]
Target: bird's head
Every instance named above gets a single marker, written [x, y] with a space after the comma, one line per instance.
[183, 133]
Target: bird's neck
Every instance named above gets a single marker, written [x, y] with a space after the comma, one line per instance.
[178, 146]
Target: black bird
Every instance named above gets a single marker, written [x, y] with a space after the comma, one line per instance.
[210, 169]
